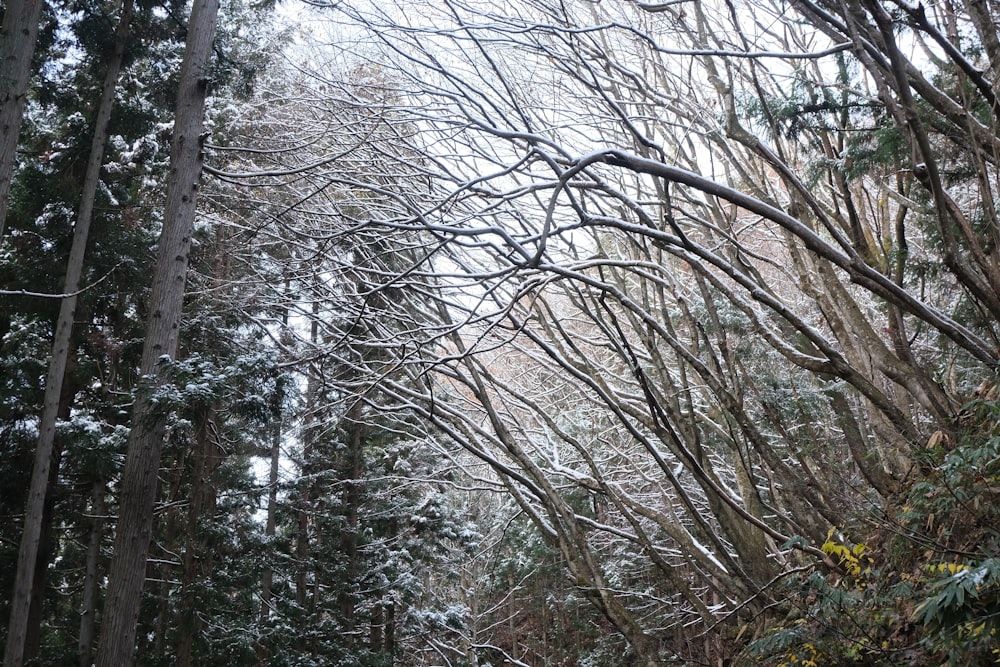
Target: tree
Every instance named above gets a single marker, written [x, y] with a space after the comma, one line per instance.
[365, 521]
[139, 478]
[31, 537]
[57, 157]
[570, 333]
[667, 213]
[19, 31]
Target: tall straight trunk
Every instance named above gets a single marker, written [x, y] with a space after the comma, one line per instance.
[145, 444]
[30, 539]
[47, 547]
[351, 478]
[17, 45]
[388, 608]
[197, 554]
[48, 541]
[168, 542]
[390, 632]
[305, 495]
[376, 628]
[271, 526]
[203, 497]
[88, 606]
[302, 552]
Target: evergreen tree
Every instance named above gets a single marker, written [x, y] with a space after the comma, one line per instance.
[139, 476]
[64, 115]
[33, 520]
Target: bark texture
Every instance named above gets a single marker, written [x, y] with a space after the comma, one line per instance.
[145, 445]
[20, 31]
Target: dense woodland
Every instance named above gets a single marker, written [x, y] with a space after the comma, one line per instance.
[500, 333]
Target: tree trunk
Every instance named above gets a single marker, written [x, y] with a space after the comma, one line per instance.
[305, 496]
[389, 606]
[88, 607]
[351, 478]
[145, 443]
[376, 628]
[47, 546]
[270, 528]
[197, 554]
[19, 32]
[28, 555]
[390, 632]
[169, 542]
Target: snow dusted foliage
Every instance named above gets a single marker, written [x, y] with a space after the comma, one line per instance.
[22, 369]
[96, 394]
[533, 333]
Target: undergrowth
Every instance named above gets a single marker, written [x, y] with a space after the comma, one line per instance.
[922, 584]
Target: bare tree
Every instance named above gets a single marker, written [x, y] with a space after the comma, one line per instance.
[670, 271]
[704, 234]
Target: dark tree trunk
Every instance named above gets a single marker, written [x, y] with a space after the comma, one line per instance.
[88, 607]
[167, 542]
[305, 501]
[197, 554]
[19, 33]
[390, 632]
[270, 528]
[32, 622]
[351, 479]
[145, 444]
[46, 548]
[376, 631]
[271, 525]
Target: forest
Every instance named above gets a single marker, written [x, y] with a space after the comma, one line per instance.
[499, 333]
